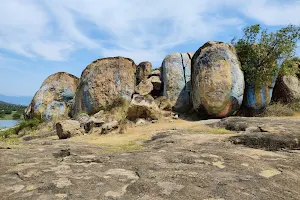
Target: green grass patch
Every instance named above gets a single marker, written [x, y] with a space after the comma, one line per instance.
[13, 132]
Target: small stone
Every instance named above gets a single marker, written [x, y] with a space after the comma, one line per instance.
[140, 122]
[107, 127]
[175, 117]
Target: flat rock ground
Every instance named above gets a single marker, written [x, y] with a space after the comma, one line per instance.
[178, 160]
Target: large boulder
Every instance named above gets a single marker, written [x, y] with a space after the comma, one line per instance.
[176, 73]
[258, 95]
[217, 80]
[68, 128]
[54, 99]
[105, 83]
[143, 107]
[287, 89]
[144, 87]
[143, 70]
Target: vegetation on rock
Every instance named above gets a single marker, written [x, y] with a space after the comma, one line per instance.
[261, 52]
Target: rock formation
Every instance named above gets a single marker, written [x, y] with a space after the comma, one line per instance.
[104, 83]
[258, 95]
[68, 128]
[217, 80]
[143, 70]
[54, 98]
[144, 87]
[287, 89]
[143, 107]
[176, 72]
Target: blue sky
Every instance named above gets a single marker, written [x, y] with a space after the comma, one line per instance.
[41, 37]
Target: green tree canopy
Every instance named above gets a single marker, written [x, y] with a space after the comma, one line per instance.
[261, 52]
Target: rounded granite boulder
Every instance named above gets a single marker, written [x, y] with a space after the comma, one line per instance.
[258, 96]
[176, 73]
[217, 80]
[105, 83]
[54, 99]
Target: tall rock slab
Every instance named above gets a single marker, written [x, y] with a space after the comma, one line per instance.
[176, 73]
[54, 99]
[105, 83]
[143, 70]
[217, 80]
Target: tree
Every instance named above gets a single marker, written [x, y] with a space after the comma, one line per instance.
[261, 53]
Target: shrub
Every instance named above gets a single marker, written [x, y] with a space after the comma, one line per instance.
[31, 124]
[7, 112]
[16, 116]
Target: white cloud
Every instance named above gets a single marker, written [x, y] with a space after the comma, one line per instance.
[139, 29]
[58, 50]
[274, 13]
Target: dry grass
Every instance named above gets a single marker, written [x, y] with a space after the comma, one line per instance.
[132, 139]
[282, 110]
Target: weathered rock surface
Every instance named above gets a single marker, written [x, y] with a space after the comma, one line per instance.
[163, 103]
[176, 72]
[54, 98]
[144, 87]
[143, 107]
[68, 128]
[155, 73]
[258, 96]
[143, 70]
[82, 118]
[110, 126]
[270, 134]
[217, 80]
[287, 89]
[104, 83]
[173, 164]
[156, 82]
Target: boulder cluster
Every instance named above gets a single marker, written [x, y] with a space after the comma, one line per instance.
[112, 91]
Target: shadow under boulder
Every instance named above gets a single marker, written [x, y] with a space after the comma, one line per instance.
[268, 141]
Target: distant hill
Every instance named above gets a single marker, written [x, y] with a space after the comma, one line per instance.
[12, 107]
[21, 100]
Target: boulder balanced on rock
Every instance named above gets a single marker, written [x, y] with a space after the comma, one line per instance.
[176, 72]
[104, 83]
[143, 107]
[217, 80]
[54, 98]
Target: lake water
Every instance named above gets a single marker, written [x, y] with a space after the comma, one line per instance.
[8, 123]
